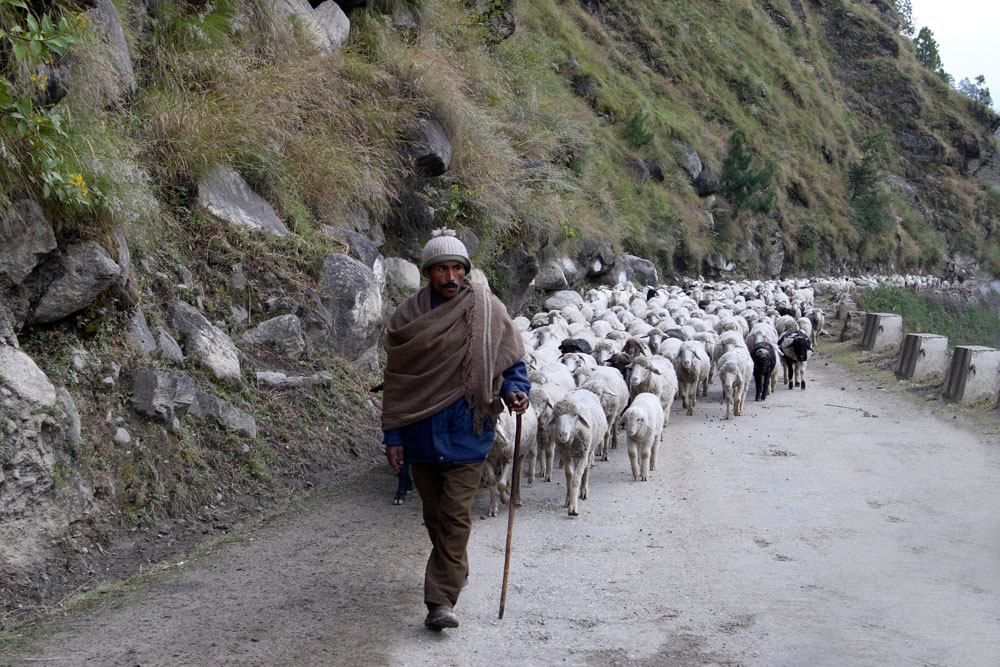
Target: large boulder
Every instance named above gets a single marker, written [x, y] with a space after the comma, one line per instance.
[225, 194]
[690, 160]
[207, 343]
[20, 375]
[641, 271]
[108, 25]
[283, 332]
[208, 406]
[564, 298]
[517, 268]
[363, 249]
[301, 13]
[706, 183]
[26, 237]
[139, 336]
[278, 380]
[402, 273]
[163, 395]
[349, 315]
[430, 148]
[334, 22]
[550, 276]
[596, 257]
[83, 272]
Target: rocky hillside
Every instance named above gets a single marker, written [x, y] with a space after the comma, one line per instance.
[208, 208]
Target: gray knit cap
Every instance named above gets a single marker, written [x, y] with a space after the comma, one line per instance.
[444, 246]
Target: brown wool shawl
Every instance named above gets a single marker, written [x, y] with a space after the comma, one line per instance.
[436, 356]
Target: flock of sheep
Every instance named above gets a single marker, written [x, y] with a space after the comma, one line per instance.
[612, 362]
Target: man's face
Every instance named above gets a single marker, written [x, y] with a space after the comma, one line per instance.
[446, 278]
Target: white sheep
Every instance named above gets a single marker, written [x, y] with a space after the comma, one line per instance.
[655, 375]
[500, 462]
[609, 386]
[692, 366]
[543, 399]
[577, 426]
[644, 422]
[735, 372]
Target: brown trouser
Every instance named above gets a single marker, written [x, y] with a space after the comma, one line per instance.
[446, 491]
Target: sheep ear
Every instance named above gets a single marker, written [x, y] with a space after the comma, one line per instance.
[583, 420]
[655, 370]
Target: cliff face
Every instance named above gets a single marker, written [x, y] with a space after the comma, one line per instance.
[208, 208]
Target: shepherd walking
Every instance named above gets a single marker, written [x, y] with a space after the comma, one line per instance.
[453, 352]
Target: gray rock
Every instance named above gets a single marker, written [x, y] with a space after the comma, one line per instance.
[334, 22]
[468, 239]
[403, 17]
[564, 298]
[283, 332]
[121, 436]
[163, 395]
[477, 276]
[85, 271]
[706, 183]
[639, 167]
[276, 380]
[124, 257]
[641, 271]
[360, 246]
[81, 361]
[205, 342]
[430, 148]
[225, 194]
[302, 13]
[520, 268]
[596, 257]
[139, 336]
[403, 273]
[20, 374]
[168, 348]
[187, 278]
[237, 278]
[550, 276]
[689, 160]
[350, 317]
[240, 315]
[571, 270]
[73, 426]
[208, 406]
[25, 235]
[108, 24]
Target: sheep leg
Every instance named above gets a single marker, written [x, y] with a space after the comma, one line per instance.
[802, 366]
[550, 455]
[644, 455]
[534, 463]
[654, 449]
[516, 479]
[491, 481]
[571, 490]
[633, 458]
[503, 486]
[584, 478]
[727, 395]
[606, 444]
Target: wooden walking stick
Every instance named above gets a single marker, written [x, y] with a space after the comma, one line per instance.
[514, 480]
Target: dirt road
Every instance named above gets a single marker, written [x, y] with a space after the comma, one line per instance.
[825, 527]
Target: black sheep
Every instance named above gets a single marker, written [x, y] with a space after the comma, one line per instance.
[575, 345]
[764, 360]
[794, 346]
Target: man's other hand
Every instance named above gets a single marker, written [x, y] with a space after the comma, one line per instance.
[517, 401]
[395, 457]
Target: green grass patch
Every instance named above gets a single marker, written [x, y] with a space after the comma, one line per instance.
[925, 313]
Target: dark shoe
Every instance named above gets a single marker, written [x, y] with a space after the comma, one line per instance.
[441, 616]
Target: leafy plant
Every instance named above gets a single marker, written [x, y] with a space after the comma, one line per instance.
[36, 132]
[635, 133]
[869, 202]
[742, 183]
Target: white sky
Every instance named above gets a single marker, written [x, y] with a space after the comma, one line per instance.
[968, 37]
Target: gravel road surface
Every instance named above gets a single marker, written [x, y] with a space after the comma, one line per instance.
[826, 527]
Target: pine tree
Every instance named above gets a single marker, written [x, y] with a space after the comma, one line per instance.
[927, 49]
[905, 10]
[741, 182]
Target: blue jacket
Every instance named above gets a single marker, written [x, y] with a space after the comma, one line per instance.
[449, 436]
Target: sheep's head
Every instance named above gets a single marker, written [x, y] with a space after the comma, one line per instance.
[635, 423]
[564, 425]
